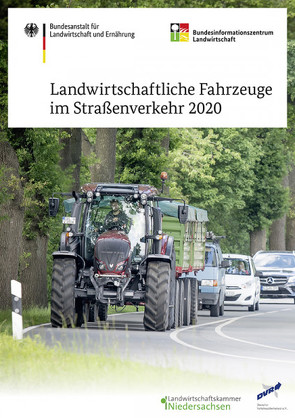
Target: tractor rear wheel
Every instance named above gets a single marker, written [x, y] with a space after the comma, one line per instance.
[156, 313]
[63, 292]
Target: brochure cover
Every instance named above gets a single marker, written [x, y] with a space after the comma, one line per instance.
[120, 94]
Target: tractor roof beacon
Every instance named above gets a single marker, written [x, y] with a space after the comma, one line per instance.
[113, 252]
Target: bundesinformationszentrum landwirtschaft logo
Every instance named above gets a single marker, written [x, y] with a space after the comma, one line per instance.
[179, 32]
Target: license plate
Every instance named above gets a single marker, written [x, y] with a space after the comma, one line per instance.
[272, 288]
[230, 293]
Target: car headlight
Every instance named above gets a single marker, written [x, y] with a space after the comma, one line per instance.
[291, 280]
[246, 285]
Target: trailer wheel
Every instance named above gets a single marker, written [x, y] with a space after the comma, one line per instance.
[171, 319]
[156, 313]
[63, 292]
[181, 302]
[176, 304]
[187, 302]
[194, 303]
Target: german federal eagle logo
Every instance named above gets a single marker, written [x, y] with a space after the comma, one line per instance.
[31, 30]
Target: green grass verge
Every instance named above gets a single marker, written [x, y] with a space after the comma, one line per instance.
[29, 364]
[32, 316]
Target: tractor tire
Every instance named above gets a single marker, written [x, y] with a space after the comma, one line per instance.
[194, 302]
[187, 302]
[92, 313]
[181, 303]
[214, 310]
[156, 313]
[171, 319]
[63, 292]
[80, 313]
[102, 311]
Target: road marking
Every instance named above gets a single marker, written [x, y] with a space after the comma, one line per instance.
[175, 337]
[35, 326]
[230, 321]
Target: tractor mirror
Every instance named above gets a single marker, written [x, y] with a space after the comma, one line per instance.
[53, 206]
[182, 214]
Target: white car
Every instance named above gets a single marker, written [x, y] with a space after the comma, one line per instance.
[242, 286]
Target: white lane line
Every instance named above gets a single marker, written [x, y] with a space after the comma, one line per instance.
[221, 334]
[175, 337]
[35, 326]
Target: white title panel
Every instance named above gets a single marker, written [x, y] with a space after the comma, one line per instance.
[147, 68]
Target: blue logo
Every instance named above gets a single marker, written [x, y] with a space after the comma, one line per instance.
[269, 389]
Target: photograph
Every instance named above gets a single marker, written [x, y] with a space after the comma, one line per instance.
[147, 208]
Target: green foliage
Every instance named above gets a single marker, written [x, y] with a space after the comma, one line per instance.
[140, 156]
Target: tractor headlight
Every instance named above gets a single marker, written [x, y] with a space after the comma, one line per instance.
[89, 196]
[143, 199]
[102, 266]
[121, 266]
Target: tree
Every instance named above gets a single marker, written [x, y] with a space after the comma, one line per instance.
[105, 152]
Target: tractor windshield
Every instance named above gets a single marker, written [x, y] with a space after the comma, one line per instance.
[115, 213]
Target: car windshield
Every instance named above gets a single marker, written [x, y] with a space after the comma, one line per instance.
[119, 214]
[210, 257]
[238, 266]
[281, 261]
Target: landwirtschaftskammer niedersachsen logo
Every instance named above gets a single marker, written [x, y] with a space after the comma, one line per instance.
[179, 32]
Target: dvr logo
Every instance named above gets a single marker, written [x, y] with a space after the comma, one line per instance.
[269, 389]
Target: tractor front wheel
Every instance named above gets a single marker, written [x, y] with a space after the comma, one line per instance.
[63, 292]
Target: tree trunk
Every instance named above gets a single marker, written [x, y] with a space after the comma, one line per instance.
[11, 223]
[290, 222]
[71, 154]
[33, 274]
[87, 147]
[165, 144]
[105, 150]
[277, 235]
[257, 241]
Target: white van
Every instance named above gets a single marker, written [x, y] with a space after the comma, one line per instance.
[242, 286]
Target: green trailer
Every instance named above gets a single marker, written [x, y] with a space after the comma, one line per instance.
[189, 238]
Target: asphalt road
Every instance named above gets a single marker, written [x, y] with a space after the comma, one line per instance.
[258, 345]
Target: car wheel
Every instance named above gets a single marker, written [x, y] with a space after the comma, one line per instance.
[214, 310]
[257, 306]
[221, 309]
[251, 308]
